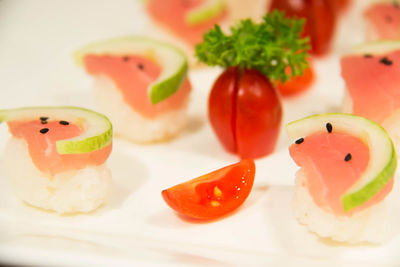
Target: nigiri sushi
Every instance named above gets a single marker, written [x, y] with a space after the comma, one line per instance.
[183, 23]
[347, 164]
[372, 78]
[56, 157]
[140, 84]
[383, 20]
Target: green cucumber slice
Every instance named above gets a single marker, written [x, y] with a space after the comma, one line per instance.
[97, 128]
[383, 160]
[209, 9]
[377, 47]
[172, 60]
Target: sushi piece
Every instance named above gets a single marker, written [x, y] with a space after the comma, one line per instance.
[183, 22]
[56, 157]
[347, 164]
[383, 21]
[372, 78]
[140, 84]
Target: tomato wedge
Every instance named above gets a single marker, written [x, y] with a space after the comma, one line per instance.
[214, 194]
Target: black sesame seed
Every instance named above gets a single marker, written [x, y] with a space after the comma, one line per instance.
[329, 127]
[368, 55]
[64, 122]
[43, 122]
[348, 157]
[140, 66]
[386, 61]
[125, 59]
[299, 141]
[44, 118]
[44, 130]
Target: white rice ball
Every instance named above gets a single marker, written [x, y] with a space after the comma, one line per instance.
[128, 123]
[72, 191]
[370, 225]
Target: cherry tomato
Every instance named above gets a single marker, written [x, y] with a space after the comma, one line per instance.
[340, 5]
[320, 20]
[214, 194]
[296, 84]
[245, 112]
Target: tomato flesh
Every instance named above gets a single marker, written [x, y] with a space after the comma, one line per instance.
[214, 194]
[297, 84]
[320, 18]
[245, 112]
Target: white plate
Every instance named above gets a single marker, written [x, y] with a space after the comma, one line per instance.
[37, 39]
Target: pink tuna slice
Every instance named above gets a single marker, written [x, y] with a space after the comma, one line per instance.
[41, 137]
[171, 14]
[384, 20]
[132, 76]
[373, 84]
[330, 172]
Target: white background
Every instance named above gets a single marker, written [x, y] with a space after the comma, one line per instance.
[37, 40]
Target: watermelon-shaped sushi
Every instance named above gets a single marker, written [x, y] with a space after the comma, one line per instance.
[140, 84]
[372, 78]
[187, 19]
[56, 157]
[383, 20]
[183, 22]
[347, 167]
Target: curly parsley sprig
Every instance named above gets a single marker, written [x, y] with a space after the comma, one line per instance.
[270, 47]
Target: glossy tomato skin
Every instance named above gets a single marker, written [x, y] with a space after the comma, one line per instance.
[320, 18]
[213, 195]
[258, 115]
[340, 5]
[245, 112]
[222, 108]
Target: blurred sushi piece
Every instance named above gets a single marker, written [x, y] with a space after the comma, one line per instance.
[183, 22]
[56, 157]
[141, 84]
[372, 77]
[383, 20]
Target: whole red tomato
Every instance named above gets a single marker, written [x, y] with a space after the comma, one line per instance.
[214, 194]
[320, 18]
[245, 112]
[340, 5]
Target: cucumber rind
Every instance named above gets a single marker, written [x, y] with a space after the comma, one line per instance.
[173, 61]
[97, 128]
[208, 10]
[377, 47]
[383, 159]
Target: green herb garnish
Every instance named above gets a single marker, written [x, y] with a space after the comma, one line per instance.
[270, 47]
